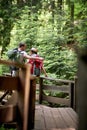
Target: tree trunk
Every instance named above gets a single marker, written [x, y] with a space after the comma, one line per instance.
[71, 8]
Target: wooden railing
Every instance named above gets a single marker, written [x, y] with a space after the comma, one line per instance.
[57, 85]
[20, 108]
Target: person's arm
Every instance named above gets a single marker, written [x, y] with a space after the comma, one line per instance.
[44, 71]
[33, 57]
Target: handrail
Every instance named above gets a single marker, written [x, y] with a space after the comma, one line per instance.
[8, 62]
[23, 110]
[67, 86]
[58, 80]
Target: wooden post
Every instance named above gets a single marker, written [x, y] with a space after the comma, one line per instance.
[41, 90]
[71, 95]
[22, 110]
[81, 90]
[31, 116]
[75, 87]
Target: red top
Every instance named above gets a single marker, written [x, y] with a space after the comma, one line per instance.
[35, 63]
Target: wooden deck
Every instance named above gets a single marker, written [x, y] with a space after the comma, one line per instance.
[47, 118]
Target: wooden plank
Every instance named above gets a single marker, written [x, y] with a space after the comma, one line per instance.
[49, 122]
[73, 115]
[8, 62]
[62, 88]
[67, 118]
[26, 98]
[8, 83]
[54, 118]
[60, 123]
[57, 80]
[56, 100]
[23, 98]
[39, 118]
[8, 113]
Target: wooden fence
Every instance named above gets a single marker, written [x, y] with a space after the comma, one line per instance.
[20, 108]
[53, 86]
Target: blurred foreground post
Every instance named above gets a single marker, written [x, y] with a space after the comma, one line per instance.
[81, 89]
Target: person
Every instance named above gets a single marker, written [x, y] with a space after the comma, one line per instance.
[37, 65]
[22, 57]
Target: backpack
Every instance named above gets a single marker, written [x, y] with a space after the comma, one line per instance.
[14, 55]
[37, 67]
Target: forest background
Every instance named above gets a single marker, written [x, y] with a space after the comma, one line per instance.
[55, 27]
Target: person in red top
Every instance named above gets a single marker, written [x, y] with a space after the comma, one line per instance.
[37, 65]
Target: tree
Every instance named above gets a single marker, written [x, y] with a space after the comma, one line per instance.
[6, 23]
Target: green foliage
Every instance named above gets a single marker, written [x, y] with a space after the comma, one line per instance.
[49, 29]
[80, 29]
[60, 61]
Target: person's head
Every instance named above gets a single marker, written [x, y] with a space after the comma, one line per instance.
[33, 50]
[22, 46]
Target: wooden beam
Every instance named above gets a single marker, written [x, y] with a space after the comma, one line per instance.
[7, 113]
[57, 80]
[24, 98]
[56, 100]
[5, 62]
[9, 83]
[62, 88]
